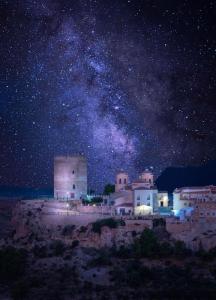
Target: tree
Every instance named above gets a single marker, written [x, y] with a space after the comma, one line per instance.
[147, 245]
[109, 189]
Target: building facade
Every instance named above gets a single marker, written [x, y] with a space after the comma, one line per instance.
[145, 201]
[70, 177]
[185, 197]
[139, 197]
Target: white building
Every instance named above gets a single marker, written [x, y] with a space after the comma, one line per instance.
[185, 197]
[145, 200]
[140, 197]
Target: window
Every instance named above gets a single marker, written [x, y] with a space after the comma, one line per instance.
[73, 172]
[120, 181]
[125, 181]
[138, 204]
[138, 197]
[149, 180]
[74, 186]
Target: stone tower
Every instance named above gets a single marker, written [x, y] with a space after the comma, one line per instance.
[122, 179]
[148, 178]
[70, 177]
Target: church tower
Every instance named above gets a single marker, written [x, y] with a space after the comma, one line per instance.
[122, 180]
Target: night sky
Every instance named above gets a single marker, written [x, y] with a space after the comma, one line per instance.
[130, 84]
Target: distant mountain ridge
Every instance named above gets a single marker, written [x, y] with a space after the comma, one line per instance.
[24, 192]
[174, 177]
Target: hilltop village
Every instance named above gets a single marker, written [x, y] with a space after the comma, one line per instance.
[132, 244]
[190, 218]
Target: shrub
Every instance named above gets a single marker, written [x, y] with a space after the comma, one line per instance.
[147, 245]
[75, 243]
[40, 251]
[102, 260]
[12, 263]
[58, 247]
[123, 252]
[20, 290]
[180, 249]
[159, 222]
[68, 230]
[110, 222]
[83, 229]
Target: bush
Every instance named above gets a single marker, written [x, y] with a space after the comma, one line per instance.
[180, 249]
[83, 229]
[75, 243]
[110, 222]
[101, 260]
[159, 222]
[68, 230]
[40, 251]
[147, 245]
[12, 263]
[58, 247]
[123, 252]
[20, 290]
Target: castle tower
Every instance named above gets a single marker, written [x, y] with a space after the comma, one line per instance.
[70, 177]
[148, 178]
[122, 179]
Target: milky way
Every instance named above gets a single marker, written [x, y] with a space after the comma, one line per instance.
[130, 84]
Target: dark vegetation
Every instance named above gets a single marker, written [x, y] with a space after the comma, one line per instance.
[109, 222]
[171, 271]
[109, 189]
[68, 230]
[93, 201]
[149, 246]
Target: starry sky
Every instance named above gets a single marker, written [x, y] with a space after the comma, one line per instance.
[130, 84]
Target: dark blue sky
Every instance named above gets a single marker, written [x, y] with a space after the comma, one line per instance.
[130, 84]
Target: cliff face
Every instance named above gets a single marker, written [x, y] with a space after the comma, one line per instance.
[31, 220]
[35, 221]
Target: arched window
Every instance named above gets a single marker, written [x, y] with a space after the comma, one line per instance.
[74, 186]
[149, 180]
[125, 181]
[73, 172]
[120, 181]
